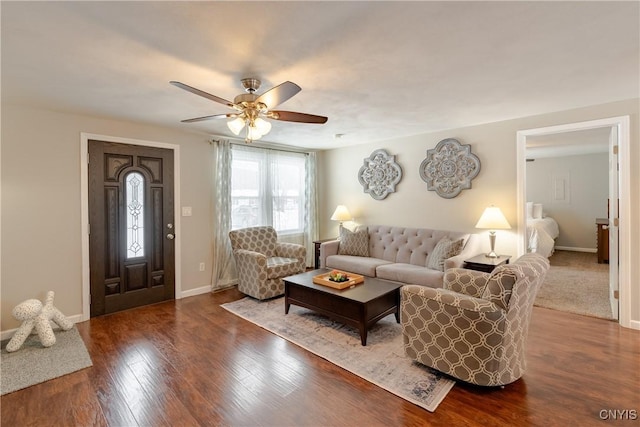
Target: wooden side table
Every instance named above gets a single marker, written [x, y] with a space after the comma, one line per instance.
[316, 249]
[484, 263]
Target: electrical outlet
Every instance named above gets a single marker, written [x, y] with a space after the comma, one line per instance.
[202, 266]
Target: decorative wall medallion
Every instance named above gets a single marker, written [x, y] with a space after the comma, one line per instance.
[449, 168]
[380, 174]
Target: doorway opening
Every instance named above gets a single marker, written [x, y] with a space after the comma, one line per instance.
[619, 188]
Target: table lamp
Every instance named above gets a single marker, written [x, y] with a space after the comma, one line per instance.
[493, 219]
[341, 214]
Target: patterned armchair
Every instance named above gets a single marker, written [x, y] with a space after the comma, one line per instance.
[475, 328]
[262, 261]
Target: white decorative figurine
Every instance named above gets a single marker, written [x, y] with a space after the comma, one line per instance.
[33, 314]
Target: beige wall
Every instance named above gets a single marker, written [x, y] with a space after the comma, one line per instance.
[41, 235]
[495, 145]
[587, 194]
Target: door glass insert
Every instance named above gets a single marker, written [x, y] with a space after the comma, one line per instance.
[134, 192]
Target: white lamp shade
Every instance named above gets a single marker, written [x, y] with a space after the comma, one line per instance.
[253, 133]
[262, 125]
[493, 219]
[236, 125]
[341, 214]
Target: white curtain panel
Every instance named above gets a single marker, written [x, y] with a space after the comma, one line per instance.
[224, 268]
[311, 215]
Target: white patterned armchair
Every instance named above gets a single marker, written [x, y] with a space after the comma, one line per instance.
[262, 261]
[475, 328]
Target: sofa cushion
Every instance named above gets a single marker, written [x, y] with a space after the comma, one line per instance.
[354, 243]
[409, 273]
[355, 264]
[446, 248]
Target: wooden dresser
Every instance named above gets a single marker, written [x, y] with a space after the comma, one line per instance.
[602, 226]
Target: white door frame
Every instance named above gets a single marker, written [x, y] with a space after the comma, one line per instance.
[624, 192]
[84, 206]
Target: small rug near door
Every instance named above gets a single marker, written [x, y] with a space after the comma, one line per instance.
[34, 364]
[381, 361]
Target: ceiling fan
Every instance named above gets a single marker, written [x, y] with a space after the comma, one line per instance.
[252, 109]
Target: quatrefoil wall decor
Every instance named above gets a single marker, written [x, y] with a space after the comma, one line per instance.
[449, 168]
[380, 174]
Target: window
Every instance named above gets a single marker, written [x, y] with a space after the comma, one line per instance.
[134, 193]
[268, 188]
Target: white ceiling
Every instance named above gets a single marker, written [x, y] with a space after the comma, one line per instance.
[378, 70]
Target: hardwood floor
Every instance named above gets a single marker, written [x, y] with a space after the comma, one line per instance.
[190, 363]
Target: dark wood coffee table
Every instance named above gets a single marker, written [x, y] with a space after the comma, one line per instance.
[360, 306]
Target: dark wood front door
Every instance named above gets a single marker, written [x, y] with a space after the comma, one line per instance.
[131, 247]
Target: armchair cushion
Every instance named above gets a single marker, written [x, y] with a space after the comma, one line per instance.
[281, 267]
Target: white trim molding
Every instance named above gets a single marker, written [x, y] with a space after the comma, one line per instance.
[624, 194]
[84, 206]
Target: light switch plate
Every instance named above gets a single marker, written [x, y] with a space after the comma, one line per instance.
[186, 211]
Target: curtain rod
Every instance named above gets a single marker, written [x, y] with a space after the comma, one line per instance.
[263, 145]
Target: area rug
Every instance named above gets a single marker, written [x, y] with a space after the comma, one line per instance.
[576, 283]
[381, 361]
[34, 364]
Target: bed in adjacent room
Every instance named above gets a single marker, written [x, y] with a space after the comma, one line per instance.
[542, 231]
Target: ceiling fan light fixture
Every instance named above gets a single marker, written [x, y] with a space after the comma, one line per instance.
[253, 133]
[236, 125]
[252, 109]
[263, 126]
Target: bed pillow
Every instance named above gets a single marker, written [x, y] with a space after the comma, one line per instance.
[537, 210]
[354, 242]
[529, 210]
[446, 248]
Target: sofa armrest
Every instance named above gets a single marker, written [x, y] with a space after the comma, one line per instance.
[327, 249]
[471, 248]
[468, 282]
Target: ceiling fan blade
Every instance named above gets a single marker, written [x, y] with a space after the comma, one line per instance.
[291, 116]
[202, 93]
[279, 94]
[215, 116]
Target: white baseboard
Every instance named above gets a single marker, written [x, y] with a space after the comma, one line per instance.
[570, 248]
[634, 324]
[197, 291]
[78, 317]
[5, 335]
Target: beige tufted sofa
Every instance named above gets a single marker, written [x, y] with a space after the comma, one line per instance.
[400, 254]
[262, 261]
[475, 328]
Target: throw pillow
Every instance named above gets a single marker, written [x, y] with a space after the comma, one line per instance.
[354, 242]
[537, 210]
[446, 248]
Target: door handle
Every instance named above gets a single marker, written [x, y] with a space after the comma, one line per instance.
[170, 236]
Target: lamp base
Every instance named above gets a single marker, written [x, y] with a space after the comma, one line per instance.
[492, 241]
